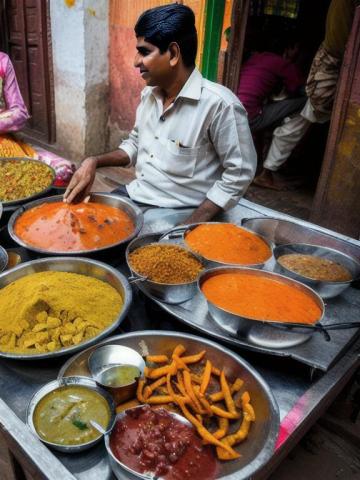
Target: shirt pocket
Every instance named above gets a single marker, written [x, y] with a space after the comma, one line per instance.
[174, 159]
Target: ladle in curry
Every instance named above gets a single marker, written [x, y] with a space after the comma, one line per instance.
[318, 327]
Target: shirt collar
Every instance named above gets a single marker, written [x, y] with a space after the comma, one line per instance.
[191, 88]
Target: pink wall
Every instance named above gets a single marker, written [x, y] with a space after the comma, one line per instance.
[125, 81]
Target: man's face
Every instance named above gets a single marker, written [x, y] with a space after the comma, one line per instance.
[154, 66]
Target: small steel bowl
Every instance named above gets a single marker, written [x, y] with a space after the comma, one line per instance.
[172, 293]
[54, 385]
[119, 468]
[209, 263]
[112, 200]
[326, 289]
[115, 355]
[261, 332]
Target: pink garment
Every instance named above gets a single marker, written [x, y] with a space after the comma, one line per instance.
[13, 112]
[64, 169]
[260, 75]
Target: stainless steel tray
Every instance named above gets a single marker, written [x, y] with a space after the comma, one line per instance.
[313, 350]
[259, 446]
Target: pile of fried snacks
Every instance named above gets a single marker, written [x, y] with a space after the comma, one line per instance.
[176, 382]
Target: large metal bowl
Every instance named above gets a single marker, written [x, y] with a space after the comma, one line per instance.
[209, 263]
[112, 200]
[257, 331]
[258, 448]
[324, 289]
[84, 266]
[54, 385]
[166, 292]
[19, 201]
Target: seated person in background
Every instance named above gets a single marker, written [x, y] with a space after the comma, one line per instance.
[13, 116]
[191, 144]
[320, 90]
[265, 73]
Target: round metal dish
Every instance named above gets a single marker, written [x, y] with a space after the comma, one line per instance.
[166, 292]
[262, 333]
[84, 266]
[54, 385]
[19, 201]
[112, 200]
[259, 446]
[184, 230]
[4, 259]
[120, 468]
[280, 231]
[324, 289]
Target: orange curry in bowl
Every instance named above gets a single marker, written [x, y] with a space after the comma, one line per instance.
[261, 298]
[228, 243]
[60, 227]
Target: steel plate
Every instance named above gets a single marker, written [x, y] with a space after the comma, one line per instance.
[84, 266]
[19, 201]
[259, 446]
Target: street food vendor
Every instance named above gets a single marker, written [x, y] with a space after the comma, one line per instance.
[191, 144]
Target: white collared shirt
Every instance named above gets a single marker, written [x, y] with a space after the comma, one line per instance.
[199, 147]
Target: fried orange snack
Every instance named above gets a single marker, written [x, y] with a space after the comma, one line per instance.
[206, 377]
[157, 358]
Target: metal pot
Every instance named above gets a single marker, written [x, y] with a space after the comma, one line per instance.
[183, 230]
[166, 292]
[112, 200]
[84, 266]
[265, 333]
[324, 289]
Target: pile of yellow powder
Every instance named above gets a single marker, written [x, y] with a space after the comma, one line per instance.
[46, 311]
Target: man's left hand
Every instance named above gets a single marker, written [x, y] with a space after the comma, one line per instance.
[204, 213]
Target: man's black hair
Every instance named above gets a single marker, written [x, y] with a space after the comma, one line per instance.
[170, 23]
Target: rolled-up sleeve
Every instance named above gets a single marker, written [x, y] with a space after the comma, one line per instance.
[232, 140]
[14, 117]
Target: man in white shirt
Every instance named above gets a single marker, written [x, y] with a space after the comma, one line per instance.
[191, 144]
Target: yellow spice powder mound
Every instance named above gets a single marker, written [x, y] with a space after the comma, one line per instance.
[47, 311]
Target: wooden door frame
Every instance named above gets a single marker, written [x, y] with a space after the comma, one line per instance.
[234, 53]
[46, 41]
[340, 210]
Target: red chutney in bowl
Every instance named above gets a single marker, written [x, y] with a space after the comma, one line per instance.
[58, 226]
[154, 441]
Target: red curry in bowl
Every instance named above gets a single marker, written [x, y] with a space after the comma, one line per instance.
[62, 227]
[154, 441]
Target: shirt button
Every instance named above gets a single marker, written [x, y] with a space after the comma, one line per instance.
[151, 155]
[162, 118]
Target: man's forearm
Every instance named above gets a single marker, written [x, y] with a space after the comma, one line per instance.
[205, 212]
[117, 158]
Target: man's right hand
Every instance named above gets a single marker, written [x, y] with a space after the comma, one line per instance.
[81, 182]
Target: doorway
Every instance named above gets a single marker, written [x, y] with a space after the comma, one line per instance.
[26, 40]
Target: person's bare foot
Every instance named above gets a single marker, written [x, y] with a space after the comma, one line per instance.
[274, 181]
[266, 179]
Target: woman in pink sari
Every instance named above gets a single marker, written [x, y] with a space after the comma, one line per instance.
[13, 116]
